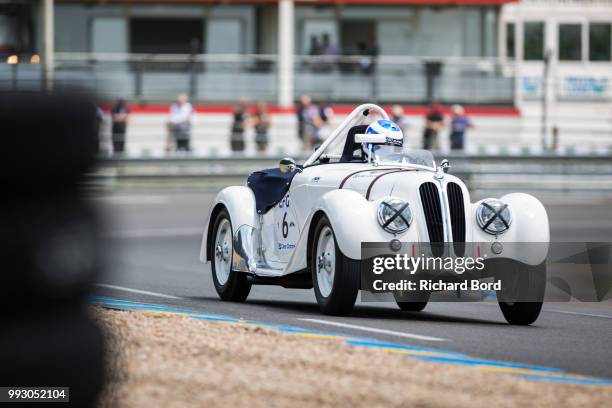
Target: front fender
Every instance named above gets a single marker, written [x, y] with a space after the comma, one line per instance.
[529, 225]
[239, 201]
[354, 220]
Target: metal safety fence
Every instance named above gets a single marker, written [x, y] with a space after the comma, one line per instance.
[224, 78]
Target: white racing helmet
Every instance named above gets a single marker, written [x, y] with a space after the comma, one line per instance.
[392, 132]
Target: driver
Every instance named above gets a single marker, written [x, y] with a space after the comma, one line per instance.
[391, 130]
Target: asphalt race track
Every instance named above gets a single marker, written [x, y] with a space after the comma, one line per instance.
[154, 243]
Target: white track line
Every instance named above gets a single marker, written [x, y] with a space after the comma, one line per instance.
[578, 313]
[374, 330]
[556, 311]
[142, 292]
[157, 232]
[136, 199]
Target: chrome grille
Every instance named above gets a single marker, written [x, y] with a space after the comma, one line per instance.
[430, 199]
[457, 216]
[435, 213]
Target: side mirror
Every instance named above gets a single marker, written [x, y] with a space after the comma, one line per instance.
[445, 165]
[287, 165]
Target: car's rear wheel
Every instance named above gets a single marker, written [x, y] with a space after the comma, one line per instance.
[335, 277]
[230, 285]
[412, 302]
[522, 293]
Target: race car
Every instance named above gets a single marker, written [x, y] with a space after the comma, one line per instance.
[303, 226]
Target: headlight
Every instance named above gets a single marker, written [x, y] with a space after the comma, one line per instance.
[394, 215]
[494, 216]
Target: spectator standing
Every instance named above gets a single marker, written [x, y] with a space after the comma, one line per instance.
[398, 116]
[363, 62]
[179, 126]
[329, 53]
[300, 118]
[312, 123]
[434, 121]
[314, 51]
[102, 140]
[239, 123]
[315, 47]
[120, 116]
[327, 47]
[261, 124]
[372, 51]
[459, 123]
[326, 113]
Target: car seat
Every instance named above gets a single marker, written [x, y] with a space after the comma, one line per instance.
[348, 153]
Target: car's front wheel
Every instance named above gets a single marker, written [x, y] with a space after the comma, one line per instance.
[522, 293]
[230, 285]
[336, 278]
[412, 302]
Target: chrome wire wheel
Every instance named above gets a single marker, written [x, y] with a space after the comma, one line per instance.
[336, 278]
[223, 251]
[326, 261]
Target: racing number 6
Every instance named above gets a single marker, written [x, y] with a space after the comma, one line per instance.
[285, 226]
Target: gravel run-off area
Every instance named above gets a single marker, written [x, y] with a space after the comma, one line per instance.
[158, 360]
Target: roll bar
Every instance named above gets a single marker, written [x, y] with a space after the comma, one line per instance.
[361, 110]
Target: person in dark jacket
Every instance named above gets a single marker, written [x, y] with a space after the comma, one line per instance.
[434, 122]
[239, 123]
[261, 124]
[120, 116]
[299, 111]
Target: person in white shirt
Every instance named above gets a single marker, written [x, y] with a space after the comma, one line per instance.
[179, 125]
[398, 116]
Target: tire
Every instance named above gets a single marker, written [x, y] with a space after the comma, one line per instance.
[522, 294]
[336, 278]
[231, 286]
[416, 305]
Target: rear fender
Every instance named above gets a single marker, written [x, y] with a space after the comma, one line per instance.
[239, 202]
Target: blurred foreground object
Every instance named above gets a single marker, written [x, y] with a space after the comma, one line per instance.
[49, 245]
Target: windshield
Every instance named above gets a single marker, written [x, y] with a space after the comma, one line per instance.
[403, 155]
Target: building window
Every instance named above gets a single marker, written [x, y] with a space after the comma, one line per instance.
[16, 29]
[224, 36]
[313, 32]
[599, 41]
[510, 46]
[570, 42]
[533, 41]
[166, 36]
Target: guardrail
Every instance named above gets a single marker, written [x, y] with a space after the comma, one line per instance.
[223, 78]
[483, 174]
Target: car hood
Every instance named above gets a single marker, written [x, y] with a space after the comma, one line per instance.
[400, 182]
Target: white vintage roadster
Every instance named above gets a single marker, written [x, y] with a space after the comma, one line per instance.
[302, 226]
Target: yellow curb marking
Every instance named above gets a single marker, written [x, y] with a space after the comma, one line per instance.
[322, 336]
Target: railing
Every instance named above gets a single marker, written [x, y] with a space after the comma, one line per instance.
[159, 78]
[554, 3]
[405, 79]
[484, 175]
[227, 78]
